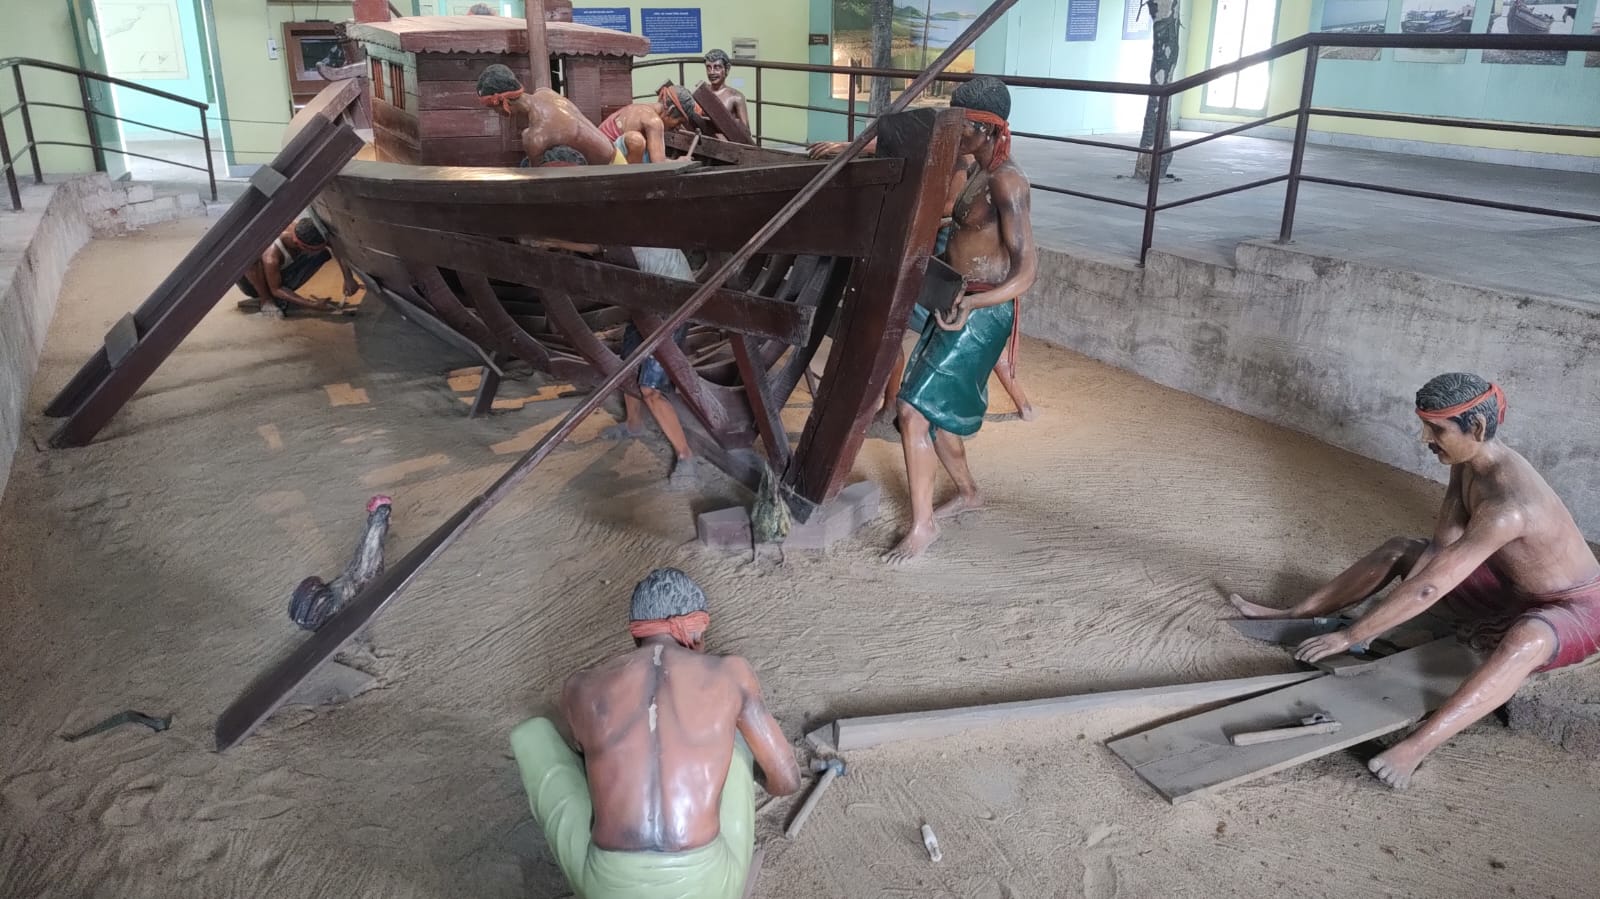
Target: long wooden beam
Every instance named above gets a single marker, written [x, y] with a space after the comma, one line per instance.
[268, 692]
[538, 49]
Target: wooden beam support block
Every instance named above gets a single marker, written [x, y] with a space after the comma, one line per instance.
[267, 180]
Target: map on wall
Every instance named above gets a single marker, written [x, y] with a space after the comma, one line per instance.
[1519, 17]
[1353, 17]
[921, 30]
[1434, 17]
[143, 39]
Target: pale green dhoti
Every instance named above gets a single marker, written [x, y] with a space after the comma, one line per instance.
[558, 794]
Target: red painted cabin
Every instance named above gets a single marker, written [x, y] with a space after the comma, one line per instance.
[425, 108]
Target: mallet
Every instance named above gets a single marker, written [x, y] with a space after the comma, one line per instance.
[830, 768]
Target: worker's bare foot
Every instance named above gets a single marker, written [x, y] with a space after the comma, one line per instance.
[1396, 766]
[1027, 412]
[685, 472]
[1252, 610]
[916, 540]
[961, 502]
[619, 431]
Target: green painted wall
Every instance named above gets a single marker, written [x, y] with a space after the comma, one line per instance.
[1473, 89]
[44, 31]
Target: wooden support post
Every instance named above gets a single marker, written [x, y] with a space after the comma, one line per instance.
[882, 292]
[538, 50]
[766, 411]
[488, 386]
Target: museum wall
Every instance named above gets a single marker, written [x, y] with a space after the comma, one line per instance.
[44, 31]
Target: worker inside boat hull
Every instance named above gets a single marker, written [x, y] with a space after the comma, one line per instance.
[553, 120]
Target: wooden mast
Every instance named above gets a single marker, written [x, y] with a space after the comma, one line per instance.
[538, 50]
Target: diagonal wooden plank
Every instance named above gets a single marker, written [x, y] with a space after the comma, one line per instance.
[766, 412]
[721, 116]
[1192, 757]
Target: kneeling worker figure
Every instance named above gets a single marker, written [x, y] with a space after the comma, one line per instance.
[661, 804]
[1507, 565]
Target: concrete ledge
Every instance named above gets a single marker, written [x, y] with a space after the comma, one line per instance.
[1336, 349]
[36, 246]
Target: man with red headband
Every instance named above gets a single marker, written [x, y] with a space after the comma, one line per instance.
[272, 282]
[638, 132]
[662, 801]
[945, 392]
[1507, 565]
[553, 120]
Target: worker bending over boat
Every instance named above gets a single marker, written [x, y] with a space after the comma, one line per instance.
[639, 131]
[661, 802]
[553, 120]
[1507, 565]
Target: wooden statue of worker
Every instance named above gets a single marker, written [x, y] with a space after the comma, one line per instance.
[661, 802]
[638, 132]
[552, 120]
[1506, 562]
[945, 393]
[718, 65]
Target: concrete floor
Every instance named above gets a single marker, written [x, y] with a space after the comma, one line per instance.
[1515, 251]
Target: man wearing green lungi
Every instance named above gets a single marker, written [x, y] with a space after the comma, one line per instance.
[946, 389]
[661, 805]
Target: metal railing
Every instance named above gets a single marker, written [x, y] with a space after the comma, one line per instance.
[1160, 151]
[9, 159]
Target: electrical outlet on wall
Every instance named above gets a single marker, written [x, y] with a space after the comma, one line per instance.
[272, 48]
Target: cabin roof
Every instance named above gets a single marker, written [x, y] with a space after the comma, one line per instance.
[494, 34]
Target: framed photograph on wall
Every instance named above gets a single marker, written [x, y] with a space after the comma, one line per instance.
[1136, 18]
[1530, 18]
[1434, 17]
[920, 31]
[1353, 17]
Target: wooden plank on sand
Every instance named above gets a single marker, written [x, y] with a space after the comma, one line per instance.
[859, 733]
[1193, 757]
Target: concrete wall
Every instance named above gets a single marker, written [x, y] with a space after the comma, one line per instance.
[1337, 350]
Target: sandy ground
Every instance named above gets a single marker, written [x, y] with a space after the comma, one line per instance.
[152, 571]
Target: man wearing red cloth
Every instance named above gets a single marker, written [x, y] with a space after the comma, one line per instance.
[1506, 561]
[661, 803]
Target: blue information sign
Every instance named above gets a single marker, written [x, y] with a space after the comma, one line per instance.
[617, 18]
[1083, 19]
[672, 30]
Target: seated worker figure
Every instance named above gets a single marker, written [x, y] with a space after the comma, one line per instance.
[295, 256]
[553, 120]
[638, 132]
[1507, 564]
[718, 66]
[945, 393]
[655, 386]
[661, 803]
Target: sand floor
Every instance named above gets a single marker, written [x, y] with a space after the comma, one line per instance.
[152, 571]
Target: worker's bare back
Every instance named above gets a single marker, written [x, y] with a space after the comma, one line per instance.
[656, 727]
[553, 121]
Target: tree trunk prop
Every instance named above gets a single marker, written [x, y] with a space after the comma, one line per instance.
[882, 53]
[1164, 28]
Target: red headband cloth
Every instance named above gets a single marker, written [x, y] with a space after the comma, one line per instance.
[1002, 146]
[686, 629]
[503, 100]
[668, 95]
[1494, 390]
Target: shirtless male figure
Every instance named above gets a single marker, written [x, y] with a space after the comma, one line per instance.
[718, 65]
[946, 389]
[1506, 562]
[274, 279]
[638, 132]
[661, 803]
[553, 120]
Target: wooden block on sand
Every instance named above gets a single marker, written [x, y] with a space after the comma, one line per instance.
[1192, 757]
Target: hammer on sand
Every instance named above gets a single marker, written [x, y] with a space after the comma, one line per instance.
[830, 769]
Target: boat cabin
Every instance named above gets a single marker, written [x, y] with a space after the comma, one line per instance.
[424, 70]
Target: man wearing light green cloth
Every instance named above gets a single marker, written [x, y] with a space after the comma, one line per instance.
[946, 389]
[661, 805]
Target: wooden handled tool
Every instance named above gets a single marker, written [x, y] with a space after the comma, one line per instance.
[1319, 723]
[831, 769]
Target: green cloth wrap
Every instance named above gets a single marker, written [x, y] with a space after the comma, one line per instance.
[558, 794]
[947, 376]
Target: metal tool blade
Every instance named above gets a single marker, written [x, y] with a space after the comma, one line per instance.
[1287, 631]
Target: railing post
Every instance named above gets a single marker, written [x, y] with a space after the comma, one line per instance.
[758, 105]
[1291, 194]
[27, 126]
[850, 123]
[11, 169]
[88, 120]
[683, 75]
[1163, 107]
[205, 138]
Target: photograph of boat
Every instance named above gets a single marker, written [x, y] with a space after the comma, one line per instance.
[1354, 17]
[1521, 17]
[1434, 17]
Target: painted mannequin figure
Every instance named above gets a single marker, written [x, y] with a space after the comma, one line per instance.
[638, 132]
[718, 67]
[274, 279]
[553, 120]
[661, 802]
[1506, 562]
[946, 389]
